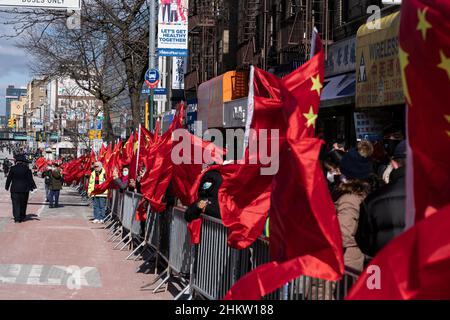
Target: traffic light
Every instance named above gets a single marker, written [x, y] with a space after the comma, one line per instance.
[10, 123]
[14, 123]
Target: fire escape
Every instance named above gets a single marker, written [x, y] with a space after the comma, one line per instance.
[300, 18]
[202, 43]
[249, 13]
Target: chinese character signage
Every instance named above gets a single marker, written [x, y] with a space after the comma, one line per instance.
[369, 125]
[378, 76]
[173, 28]
[178, 71]
[341, 57]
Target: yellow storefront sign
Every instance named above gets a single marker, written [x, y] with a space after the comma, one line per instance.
[378, 75]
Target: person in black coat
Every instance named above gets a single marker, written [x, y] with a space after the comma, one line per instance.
[20, 179]
[207, 202]
[382, 216]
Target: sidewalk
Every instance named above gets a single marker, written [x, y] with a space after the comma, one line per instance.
[35, 256]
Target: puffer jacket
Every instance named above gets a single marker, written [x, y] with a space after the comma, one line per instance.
[347, 207]
[383, 215]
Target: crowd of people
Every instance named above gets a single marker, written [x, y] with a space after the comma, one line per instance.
[367, 184]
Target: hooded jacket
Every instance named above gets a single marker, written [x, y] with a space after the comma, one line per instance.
[208, 190]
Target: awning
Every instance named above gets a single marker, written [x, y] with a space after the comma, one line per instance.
[338, 90]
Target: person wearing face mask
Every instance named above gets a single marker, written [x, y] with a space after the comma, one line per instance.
[392, 136]
[207, 201]
[331, 166]
[122, 181]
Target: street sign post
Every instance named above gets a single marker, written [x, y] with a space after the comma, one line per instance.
[43, 4]
[152, 80]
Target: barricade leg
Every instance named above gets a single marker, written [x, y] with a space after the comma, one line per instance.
[114, 235]
[123, 239]
[146, 261]
[165, 280]
[135, 250]
[118, 236]
[188, 287]
[111, 223]
[127, 243]
[157, 279]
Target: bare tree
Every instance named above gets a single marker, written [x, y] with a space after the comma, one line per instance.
[112, 42]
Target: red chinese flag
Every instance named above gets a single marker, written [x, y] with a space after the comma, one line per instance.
[415, 265]
[160, 166]
[114, 160]
[305, 238]
[425, 66]
[188, 167]
[102, 153]
[128, 151]
[102, 187]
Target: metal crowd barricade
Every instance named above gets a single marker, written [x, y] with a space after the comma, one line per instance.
[111, 202]
[307, 288]
[159, 241]
[179, 252]
[127, 217]
[258, 254]
[217, 265]
[135, 230]
[117, 212]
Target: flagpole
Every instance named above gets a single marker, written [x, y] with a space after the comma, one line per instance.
[137, 155]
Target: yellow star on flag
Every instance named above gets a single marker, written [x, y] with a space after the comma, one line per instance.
[447, 117]
[135, 147]
[316, 84]
[423, 24]
[445, 63]
[404, 61]
[311, 117]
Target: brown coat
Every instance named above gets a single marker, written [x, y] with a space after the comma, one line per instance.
[347, 207]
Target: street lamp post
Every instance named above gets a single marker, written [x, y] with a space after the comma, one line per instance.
[151, 54]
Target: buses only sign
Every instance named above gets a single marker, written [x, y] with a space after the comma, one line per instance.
[43, 4]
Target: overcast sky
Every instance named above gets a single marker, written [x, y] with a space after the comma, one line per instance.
[14, 63]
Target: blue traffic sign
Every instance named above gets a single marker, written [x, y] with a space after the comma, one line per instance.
[156, 91]
[152, 78]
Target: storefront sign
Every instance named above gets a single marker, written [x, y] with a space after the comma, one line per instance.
[378, 75]
[341, 57]
[369, 125]
[235, 113]
[178, 71]
[173, 28]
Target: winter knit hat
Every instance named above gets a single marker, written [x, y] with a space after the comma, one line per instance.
[354, 166]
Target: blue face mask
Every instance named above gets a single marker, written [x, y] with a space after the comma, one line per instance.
[206, 185]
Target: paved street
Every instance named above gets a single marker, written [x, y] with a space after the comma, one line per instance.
[40, 257]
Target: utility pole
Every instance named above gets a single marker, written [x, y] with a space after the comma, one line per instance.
[151, 55]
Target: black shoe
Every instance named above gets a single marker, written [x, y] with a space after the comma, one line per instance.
[51, 206]
[47, 200]
[17, 221]
[59, 206]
